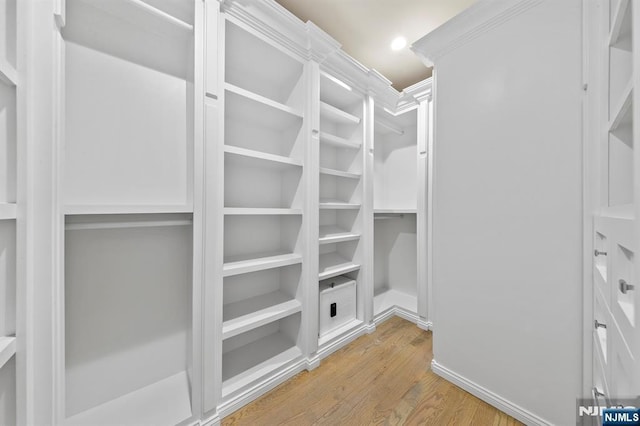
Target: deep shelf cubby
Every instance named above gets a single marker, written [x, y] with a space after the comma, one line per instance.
[140, 268]
[126, 62]
[250, 356]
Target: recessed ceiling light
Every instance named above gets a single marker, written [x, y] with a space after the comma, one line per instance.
[398, 43]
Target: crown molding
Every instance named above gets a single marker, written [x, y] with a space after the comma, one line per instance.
[468, 25]
[307, 41]
[272, 21]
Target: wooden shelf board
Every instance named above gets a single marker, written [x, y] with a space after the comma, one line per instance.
[7, 349]
[386, 298]
[337, 205]
[8, 74]
[245, 315]
[166, 402]
[277, 160]
[8, 211]
[145, 16]
[88, 209]
[623, 107]
[337, 115]
[251, 106]
[256, 360]
[257, 211]
[339, 173]
[332, 234]
[332, 264]
[334, 140]
[333, 334]
[259, 262]
[618, 21]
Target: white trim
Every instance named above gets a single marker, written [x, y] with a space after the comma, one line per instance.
[211, 421]
[479, 19]
[342, 341]
[489, 397]
[425, 325]
[254, 392]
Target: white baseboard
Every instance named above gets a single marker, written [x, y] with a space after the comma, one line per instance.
[402, 313]
[342, 341]
[211, 421]
[259, 389]
[489, 397]
[425, 325]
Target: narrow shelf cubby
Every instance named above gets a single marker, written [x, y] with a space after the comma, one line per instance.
[262, 68]
[254, 299]
[250, 356]
[140, 268]
[127, 62]
[338, 225]
[338, 258]
[255, 183]
[258, 242]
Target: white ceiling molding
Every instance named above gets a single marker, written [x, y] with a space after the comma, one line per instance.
[468, 25]
[309, 42]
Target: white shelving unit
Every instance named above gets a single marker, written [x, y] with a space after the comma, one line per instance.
[127, 186]
[395, 206]
[263, 251]
[615, 343]
[10, 85]
[341, 166]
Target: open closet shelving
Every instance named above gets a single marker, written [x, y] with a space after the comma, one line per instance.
[341, 193]
[11, 89]
[395, 204]
[129, 231]
[264, 151]
[616, 300]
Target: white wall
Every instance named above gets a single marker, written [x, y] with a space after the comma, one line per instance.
[507, 210]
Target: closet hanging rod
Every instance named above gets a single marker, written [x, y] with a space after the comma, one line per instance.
[126, 225]
[381, 216]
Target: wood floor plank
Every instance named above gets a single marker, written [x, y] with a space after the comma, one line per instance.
[383, 379]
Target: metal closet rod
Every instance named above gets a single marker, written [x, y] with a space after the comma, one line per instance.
[125, 225]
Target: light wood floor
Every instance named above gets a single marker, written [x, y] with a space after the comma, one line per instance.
[382, 378]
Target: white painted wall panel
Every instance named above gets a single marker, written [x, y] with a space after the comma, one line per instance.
[508, 210]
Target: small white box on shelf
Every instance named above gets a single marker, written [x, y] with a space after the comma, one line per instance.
[337, 303]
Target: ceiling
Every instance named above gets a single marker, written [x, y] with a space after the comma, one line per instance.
[366, 28]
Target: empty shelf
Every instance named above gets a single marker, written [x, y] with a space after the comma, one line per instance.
[622, 113]
[8, 211]
[334, 140]
[623, 211]
[276, 160]
[392, 211]
[166, 402]
[7, 349]
[338, 205]
[251, 107]
[8, 74]
[260, 262]
[333, 234]
[89, 209]
[242, 366]
[388, 298]
[339, 173]
[145, 16]
[332, 264]
[248, 314]
[335, 114]
[602, 271]
[260, 211]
